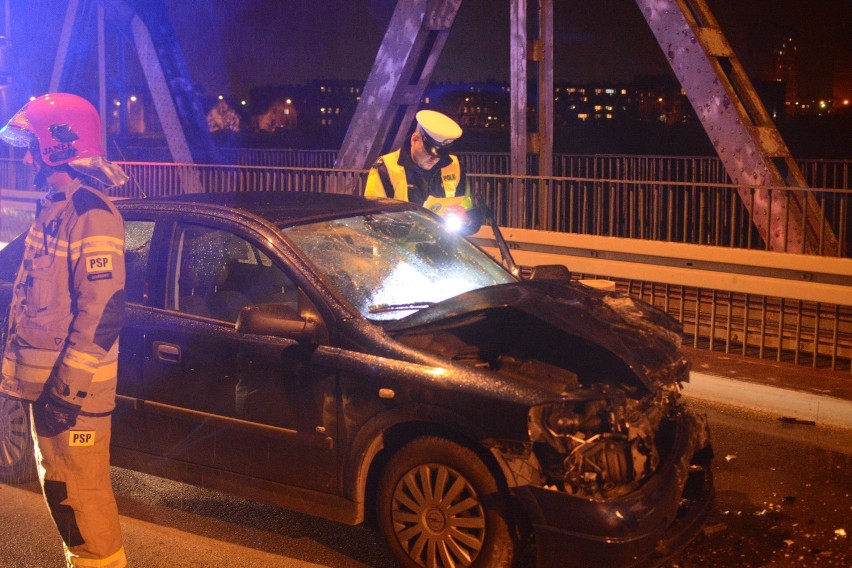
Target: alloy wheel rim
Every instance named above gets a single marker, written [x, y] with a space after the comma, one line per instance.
[437, 517]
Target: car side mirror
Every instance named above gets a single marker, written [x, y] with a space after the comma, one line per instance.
[557, 272]
[279, 320]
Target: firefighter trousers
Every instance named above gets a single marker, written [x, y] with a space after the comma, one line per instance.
[73, 468]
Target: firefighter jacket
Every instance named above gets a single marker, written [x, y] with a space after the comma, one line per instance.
[68, 303]
[396, 175]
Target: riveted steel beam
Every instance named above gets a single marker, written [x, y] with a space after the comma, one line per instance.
[518, 109]
[401, 72]
[739, 127]
[147, 24]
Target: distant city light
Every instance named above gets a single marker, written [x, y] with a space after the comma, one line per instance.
[845, 102]
[133, 98]
[221, 98]
[243, 102]
[289, 101]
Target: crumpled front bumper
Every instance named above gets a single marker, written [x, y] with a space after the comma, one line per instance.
[642, 528]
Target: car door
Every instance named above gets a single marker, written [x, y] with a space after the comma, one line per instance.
[256, 406]
[128, 418]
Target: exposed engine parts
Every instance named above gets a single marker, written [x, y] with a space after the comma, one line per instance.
[606, 467]
[601, 436]
[604, 447]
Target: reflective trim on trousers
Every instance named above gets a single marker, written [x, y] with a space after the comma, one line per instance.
[117, 560]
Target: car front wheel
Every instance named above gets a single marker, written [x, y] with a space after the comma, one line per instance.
[17, 460]
[439, 506]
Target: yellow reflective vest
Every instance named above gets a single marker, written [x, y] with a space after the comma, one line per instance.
[388, 178]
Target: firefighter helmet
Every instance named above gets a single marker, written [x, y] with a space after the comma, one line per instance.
[63, 129]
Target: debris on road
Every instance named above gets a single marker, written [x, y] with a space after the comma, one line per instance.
[791, 420]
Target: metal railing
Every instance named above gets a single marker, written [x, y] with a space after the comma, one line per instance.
[628, 197]
[173, 179]
[685, 212]
[834, 174]
[815, 334]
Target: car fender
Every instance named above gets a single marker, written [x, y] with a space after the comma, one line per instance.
[395, 427]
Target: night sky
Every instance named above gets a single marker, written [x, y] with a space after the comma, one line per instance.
[233, 45]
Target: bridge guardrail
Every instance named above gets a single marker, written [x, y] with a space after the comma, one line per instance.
[763, 304]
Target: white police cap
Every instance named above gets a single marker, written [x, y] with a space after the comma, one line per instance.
[439, 128]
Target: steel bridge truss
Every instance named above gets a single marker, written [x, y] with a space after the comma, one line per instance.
[736, 121]
[146, 26]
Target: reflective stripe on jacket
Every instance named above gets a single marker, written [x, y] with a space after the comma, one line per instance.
[68, 303]
[396, 182]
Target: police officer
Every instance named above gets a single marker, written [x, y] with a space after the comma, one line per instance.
[423, 171]
[66, 313]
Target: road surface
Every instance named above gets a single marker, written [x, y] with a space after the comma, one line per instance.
[783, 500]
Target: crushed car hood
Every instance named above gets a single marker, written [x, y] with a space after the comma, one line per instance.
[646, 339]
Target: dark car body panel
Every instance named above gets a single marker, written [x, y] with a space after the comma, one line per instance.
[622, 327]
[307, 424]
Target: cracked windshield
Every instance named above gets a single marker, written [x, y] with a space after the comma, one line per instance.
[390, 265]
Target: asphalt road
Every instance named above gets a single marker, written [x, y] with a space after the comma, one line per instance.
[784, 493]
[783, 500]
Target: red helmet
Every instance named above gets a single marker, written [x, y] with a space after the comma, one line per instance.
[66, 128]
[63, 129]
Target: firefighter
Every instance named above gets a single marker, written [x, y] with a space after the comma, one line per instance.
[67, 309]
[423, 171]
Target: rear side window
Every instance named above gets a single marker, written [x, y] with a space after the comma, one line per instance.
[10, 259]
[137, 247]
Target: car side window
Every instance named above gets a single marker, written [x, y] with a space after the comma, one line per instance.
[216, 273]
[137, 249]
[10, 260]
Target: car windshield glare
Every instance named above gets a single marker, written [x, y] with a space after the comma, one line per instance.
[390, 265]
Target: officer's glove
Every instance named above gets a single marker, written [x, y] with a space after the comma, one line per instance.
[473, 221]
[57, 416]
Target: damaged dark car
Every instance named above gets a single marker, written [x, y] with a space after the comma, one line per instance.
[355, 360]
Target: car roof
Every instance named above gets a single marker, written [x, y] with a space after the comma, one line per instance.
[279, 207]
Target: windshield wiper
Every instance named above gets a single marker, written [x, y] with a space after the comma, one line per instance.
[381, 308]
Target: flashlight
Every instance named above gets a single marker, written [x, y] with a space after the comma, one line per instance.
[455, 218]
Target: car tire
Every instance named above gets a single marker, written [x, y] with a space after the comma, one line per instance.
[17, 458]
[439, 505]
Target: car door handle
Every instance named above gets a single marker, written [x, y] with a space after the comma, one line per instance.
[167, 352]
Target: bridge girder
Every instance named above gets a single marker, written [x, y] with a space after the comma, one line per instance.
[742, 132]
[146, 24]
[740, 129]
[415, 37]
